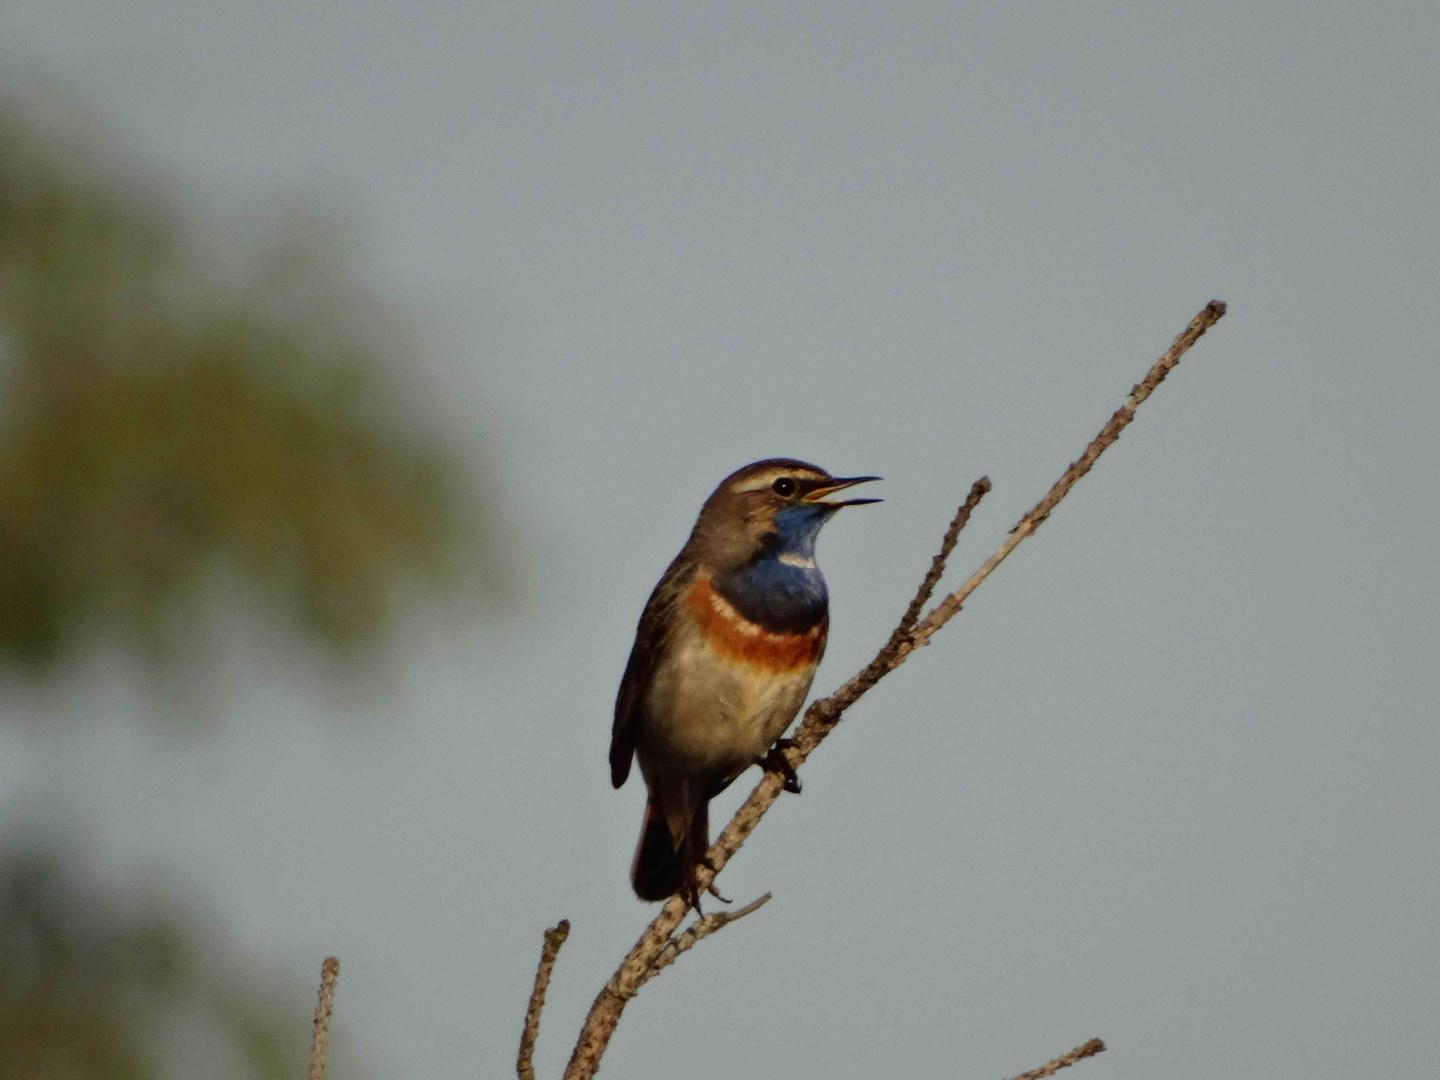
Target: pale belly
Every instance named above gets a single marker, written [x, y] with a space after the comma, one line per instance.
[707, 714]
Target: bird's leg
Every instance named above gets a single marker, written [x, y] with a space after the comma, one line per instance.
[690, 892]
[776, 761]
[704, 861]
[695, 853]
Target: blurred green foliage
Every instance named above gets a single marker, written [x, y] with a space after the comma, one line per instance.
[160, 420]
[96, 987]
[170, 420]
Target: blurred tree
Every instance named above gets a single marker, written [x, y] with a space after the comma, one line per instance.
[163, 417]
[97, 988]
[157, 423]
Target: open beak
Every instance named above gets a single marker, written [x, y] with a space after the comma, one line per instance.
[817, 495]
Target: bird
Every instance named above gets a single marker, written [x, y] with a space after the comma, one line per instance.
[724, 655]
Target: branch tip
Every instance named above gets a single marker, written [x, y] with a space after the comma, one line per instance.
[320, 1036]
[1064, 1061]
[554, 938]
[901, 634]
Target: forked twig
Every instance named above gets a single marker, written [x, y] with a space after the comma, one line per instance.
[320, 1036]
[554, 938]
[946, 610]
[1064, 1061]
[821, 717]
[701, 928]
[978, 491]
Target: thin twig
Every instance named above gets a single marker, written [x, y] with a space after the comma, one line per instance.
[978, 491]
[950, 606]
[823, 714]
[554, 938]
[1064, 1061]
[701, 928]
[900, 637]
[320, 1037]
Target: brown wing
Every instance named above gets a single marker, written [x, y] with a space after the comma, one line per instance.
[650, 638]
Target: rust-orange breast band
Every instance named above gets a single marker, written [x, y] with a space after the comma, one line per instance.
[731, 634]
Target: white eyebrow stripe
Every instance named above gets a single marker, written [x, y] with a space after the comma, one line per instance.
[789, 558]
[765, 479]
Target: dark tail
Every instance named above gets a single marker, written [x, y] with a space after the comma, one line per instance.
[662, 866]
[659, 865]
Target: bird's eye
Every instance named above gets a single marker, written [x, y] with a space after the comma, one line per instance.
[784, 486]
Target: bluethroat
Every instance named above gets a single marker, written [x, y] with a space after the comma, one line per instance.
[724, 655]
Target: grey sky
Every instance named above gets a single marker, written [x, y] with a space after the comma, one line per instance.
[1170, 777]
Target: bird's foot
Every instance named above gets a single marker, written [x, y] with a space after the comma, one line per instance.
[776, 761]
[690, 893]
[690, 890]
[704, 861]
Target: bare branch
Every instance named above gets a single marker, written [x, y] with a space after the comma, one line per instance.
[978, 491]
[554, 938]
[1064, 1061]
[900, 637]
[950, 606]
[320, 1037]
[823, 714]
[701, 928]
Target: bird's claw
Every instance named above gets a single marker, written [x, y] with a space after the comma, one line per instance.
[705, 862]
[776, 761]
[691, 888]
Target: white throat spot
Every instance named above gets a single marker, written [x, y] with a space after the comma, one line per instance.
[791, 559]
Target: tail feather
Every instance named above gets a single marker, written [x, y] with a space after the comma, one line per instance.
[660, 864]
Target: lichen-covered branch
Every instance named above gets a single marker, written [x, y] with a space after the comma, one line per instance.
[950, 606]
[1064, 1061]
[701, 928]
[320, 1037]
[554, 938]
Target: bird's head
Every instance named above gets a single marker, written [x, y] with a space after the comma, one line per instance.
[778, 503]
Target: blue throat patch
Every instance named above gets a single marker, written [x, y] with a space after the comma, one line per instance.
[776, 593]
